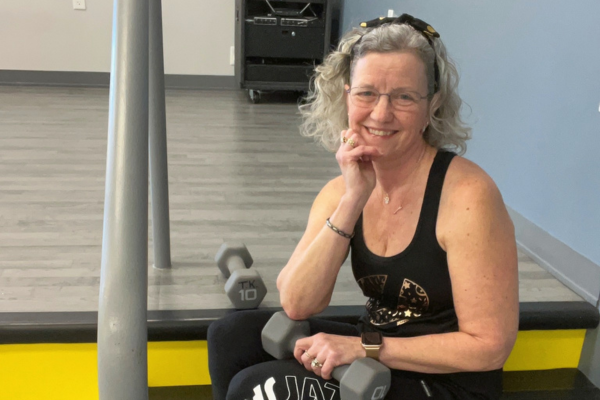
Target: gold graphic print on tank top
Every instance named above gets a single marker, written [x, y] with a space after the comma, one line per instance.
[412, 301]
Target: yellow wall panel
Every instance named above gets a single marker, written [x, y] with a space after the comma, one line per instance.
[69, 371]
[178, 364]
[538, 350]
[49, 372]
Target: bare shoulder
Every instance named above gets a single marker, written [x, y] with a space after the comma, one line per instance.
[467, 182]
[469, 194]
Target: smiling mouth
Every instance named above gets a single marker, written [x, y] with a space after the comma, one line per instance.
[378, 132]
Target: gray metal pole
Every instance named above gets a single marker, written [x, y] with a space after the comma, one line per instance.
[589, 362]
[122, 315]
[159, 177]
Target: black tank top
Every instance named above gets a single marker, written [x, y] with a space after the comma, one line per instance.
[410, 293]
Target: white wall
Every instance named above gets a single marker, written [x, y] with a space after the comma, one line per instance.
[48, 35]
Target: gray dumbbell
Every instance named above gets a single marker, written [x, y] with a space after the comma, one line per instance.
[244, 287]
[364, 379]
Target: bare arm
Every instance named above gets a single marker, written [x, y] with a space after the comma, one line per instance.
[306, 283]
[478, 237]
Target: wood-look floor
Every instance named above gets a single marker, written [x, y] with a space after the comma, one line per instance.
[238, 171]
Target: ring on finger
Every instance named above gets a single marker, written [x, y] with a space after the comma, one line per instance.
[351, 142]
[344, 139]
[316, 364]
[308, 354]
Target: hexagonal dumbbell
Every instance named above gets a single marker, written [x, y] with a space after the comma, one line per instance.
[364, 379]
[244, 287]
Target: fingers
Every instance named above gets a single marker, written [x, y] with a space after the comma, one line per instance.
[314, 364]
[349, 138]
[303, 357]
[322, 365]
[300, 349]
[315, 354]
[305, 351]
[307, 360]
[298, 352]
[353, 150]
[327, 369]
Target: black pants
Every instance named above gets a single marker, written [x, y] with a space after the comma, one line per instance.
[240, 369]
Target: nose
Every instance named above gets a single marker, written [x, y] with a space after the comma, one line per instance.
[382, 111]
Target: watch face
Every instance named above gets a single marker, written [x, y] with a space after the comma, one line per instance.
[372, 338]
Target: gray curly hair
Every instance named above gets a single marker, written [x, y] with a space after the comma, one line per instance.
[324, 111]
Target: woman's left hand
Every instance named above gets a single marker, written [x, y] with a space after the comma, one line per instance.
[329, 350]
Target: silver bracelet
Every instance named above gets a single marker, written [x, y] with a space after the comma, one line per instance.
[339, 232]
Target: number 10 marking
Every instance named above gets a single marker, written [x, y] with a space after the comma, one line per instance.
[248, 294]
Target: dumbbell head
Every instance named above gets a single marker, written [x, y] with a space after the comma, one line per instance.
[228, 250]
[280, 334]
[364, 379]
[245, 288]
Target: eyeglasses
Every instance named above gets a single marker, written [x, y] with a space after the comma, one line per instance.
[399, 100]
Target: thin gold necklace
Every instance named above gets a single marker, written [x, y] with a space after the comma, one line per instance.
[386, 198]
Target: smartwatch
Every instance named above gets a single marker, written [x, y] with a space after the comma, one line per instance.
[372, 342]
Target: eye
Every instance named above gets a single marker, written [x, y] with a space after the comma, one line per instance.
[365, 93]
[405, 97]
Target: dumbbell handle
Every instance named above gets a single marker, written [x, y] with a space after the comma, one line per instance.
[234, 263]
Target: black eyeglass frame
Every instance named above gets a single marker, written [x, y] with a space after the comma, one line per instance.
[419, 25]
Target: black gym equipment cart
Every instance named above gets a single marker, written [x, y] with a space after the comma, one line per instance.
[278, 43]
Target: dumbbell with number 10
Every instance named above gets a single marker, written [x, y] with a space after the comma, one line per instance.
[244, 287]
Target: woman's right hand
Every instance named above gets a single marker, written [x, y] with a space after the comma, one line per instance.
[356, 162]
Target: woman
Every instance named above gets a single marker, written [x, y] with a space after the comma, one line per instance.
[432, 244]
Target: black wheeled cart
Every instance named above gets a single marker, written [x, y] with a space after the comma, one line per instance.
[278, 43]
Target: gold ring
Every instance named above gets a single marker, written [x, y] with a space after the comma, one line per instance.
[316, 364]
[351, 142]
[344, 139]
[308, 354]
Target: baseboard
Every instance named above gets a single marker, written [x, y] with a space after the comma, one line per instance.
[102, 79]
[568, 266]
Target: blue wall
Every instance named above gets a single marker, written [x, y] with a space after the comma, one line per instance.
[530, 70]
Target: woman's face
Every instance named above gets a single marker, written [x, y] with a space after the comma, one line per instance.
[388, 128]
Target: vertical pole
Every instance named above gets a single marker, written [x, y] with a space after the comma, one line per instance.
[159, 177]
[122, 315]
[589, 363]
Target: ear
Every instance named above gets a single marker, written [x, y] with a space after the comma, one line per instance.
[347, 96]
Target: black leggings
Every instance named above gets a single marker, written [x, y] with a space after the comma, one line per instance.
[241, 369]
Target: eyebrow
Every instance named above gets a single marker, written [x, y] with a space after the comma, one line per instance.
[395, 90]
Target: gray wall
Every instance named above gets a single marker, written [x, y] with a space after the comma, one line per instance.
[48, 35]
[531, 73]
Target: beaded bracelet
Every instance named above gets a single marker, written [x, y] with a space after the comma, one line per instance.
[339, 232]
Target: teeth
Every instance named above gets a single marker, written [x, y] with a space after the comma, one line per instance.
[380, 133]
